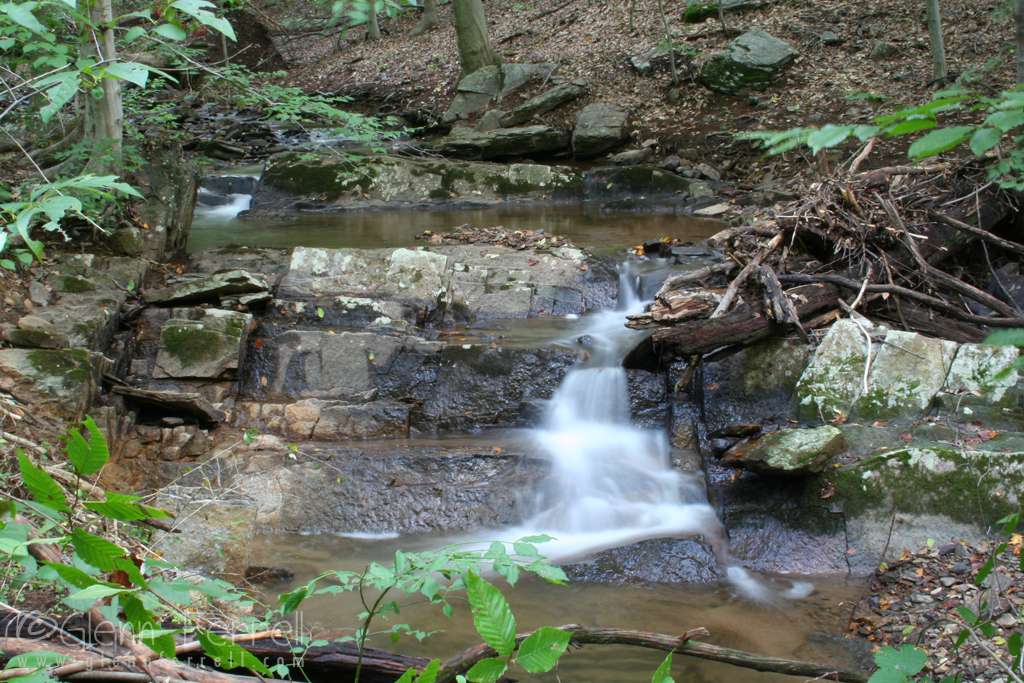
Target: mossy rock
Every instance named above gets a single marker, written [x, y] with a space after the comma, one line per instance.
[68, 377]
[752, 61]
[788, 452]
[207, 347]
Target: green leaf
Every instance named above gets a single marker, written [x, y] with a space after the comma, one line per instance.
[133, 72]
[939, 141]
[548, 572]
[865, 132]
[487, 670]
[144, 626]
[124, 508]
[290, 601]
[1014, 337]
[896, 666]
[984, 139]
[663, 674]
[430, 672]
[21, 14]
[909, 126]
[36, 658]
[1005, 120]
[198, 10]
[74, 576]
[133, 34]
[229, 655]
[41, 485]
[60, 91]
[104, 555]
[96, 592]
[171, 32]
[492, 616]
[828, 136]
[542, 649]
[87, 456]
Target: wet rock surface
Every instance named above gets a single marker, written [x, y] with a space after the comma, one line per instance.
[663, 560]
[788, 452]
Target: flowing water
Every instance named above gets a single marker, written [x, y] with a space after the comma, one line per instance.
[610, 483]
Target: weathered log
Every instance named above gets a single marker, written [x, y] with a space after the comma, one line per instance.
[680, 645]
[676, 306]
[781, 307]
[734, 286]
[928, 322]
[743, 326]
[929, 301]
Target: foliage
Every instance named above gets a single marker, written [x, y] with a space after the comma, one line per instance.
[357, 12]
[998, 132]
[141, 594]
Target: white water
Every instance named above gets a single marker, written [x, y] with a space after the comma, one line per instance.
[612, 483]
[224, 212]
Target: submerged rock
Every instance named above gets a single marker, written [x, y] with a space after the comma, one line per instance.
[600, 128]
[789, 452]
[753, 60]
[663, 560]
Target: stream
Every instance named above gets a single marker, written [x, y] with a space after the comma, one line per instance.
[610, 483]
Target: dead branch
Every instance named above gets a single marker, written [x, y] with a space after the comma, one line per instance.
[680, 645]
[978, 232]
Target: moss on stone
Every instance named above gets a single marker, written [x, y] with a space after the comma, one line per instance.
[71, 366]
[190, 342]
[74, 284]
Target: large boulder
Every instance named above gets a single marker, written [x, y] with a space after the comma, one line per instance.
[476, 91]
[468, 281]
[908, 371]
[541, 104]
[753, 60]
[600, 128]
[323, 182]
[503, 143]
[66, 379]
[788, 452]
[834, 378]
[202, 343]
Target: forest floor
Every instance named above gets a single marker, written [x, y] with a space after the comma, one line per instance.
[836, 77]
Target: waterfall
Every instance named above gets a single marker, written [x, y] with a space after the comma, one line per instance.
[612, 483]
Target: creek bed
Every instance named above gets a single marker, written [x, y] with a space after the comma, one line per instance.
[587, 226]
[809, 629]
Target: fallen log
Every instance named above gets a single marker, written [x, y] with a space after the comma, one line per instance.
[680, 645]
[929, 301]
[744, 325]
[978, 232]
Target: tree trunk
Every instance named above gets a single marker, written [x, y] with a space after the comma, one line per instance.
[668, 42]
[372, 27]
[428, 20]
[104, 117]
[1020, 42]
[475, 50]
[938, 44]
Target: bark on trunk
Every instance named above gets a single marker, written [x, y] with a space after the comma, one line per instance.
[428, 20]
[372, 27]
[105, 116]
[1020, 42]
[937, 41]
[475, 50]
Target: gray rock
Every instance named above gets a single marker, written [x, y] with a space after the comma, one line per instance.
[476, 91]
[834, 378]
[192, 406]
[207, 288]
[882, 51]
[634, 182]
[208, 344]
[68, 379]
[503, 143]
[671, 560]
[830, 38]
[491, 120]
[980, 375]
[789, 452]
[38, 293]
[752, 60]
[127, 242]
[293, 182]
[632, 157]
[546, 101]
[33, 331]
[656, 58]
[600, 127]
[338, 420]
[907, 373]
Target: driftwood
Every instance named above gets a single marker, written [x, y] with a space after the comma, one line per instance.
[336, 663]
[745, 325]
[910, 244]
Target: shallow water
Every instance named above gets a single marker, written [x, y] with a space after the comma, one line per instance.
[586, 226]
[806, 629]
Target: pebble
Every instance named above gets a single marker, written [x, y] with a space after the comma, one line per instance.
[921, 599]
[1006, 621]
[947, 581]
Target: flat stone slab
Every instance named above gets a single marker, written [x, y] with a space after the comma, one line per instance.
[68, 378]
[207, 288]
[788, 452]
[202, 343]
